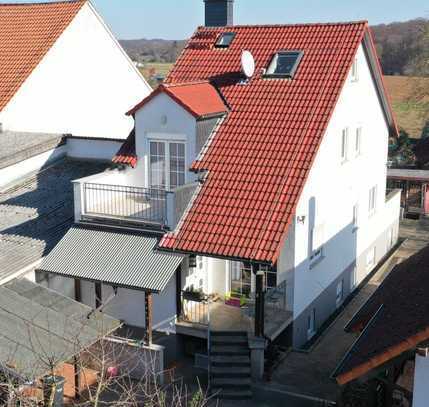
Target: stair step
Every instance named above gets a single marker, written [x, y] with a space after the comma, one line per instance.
[230, 360]
[231, 394]
[228, 333]
[242, 340]
[230, 371]
[223, 382]
[229, 350]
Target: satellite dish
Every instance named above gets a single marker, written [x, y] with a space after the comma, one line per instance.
[247, 64]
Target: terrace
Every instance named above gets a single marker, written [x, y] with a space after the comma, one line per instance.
[198, 314]
[115, 197]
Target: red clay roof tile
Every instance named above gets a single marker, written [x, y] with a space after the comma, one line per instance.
[127, 153]
[27, 32]
[260, 156]
[199, 98]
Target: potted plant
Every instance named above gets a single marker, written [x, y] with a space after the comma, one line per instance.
[191, 294]
[235, 299]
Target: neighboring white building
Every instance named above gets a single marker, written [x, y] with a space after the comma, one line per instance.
[284, 172]
[63, 72]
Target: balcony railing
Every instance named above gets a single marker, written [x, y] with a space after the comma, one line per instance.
[194, 310]
[125, 202]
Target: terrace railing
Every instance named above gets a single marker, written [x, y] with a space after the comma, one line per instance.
[195, 309]
[125, 202]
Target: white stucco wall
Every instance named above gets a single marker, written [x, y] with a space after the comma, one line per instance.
[180, 126]
[14, 173]
[129, 305]
[92, 148]
[333, 187]
[421, 380]
[83, 86]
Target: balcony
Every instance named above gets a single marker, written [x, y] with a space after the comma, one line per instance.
[125, 202]
[107, 197]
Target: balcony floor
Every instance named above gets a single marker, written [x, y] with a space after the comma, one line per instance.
[130, 207]
[228, 318]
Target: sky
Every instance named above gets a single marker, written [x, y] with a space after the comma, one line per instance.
[177, 19]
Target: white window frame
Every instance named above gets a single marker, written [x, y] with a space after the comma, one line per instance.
[167, 163]
[344, 144]
[358, 141]
[355, 70]
[317, 250]
[311, 324]
[370, 258]
[268, 271]
[372, 200]
[355, 219]
[339, 293]
[353, 279]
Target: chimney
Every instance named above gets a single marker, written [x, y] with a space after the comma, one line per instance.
[219, 13]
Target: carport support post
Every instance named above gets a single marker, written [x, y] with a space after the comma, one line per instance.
[148, 316]
[259, 302]
[98, 295]
[76, 363]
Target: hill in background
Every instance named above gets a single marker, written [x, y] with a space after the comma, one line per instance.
[156, 50]
[403, 49]
[410, 102]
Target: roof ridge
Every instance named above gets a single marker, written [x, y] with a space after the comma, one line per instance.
[43, 3]
[324, 24]
[179, 84]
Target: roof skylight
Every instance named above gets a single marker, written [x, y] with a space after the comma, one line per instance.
[284, 64]
[225, 39]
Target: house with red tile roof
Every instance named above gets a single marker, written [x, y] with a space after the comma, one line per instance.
[63, 72]
[265, 170]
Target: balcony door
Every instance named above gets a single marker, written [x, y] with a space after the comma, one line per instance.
[166, 164]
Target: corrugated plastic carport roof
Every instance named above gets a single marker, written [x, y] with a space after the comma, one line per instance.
[116, 257]
[39, 326]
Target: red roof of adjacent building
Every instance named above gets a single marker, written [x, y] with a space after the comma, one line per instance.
[200, 99]
[260, 156]
[27, 32]
[392, 321]
[127, 153]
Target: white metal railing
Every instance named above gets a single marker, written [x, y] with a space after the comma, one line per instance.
[195, 310]
[124, 202]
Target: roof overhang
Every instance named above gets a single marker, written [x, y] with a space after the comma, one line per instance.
[116, 257]
[199, 99]
[408, 174]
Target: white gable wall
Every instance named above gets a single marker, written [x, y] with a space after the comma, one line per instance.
[84, 85]
[164, 120]
[334, 187]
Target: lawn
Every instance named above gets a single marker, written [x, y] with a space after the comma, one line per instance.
[152, 69]
[410, 100]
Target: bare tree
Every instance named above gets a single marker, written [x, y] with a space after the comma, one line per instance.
[112, 372]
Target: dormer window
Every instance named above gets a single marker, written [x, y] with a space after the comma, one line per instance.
[284, 64]
[225, 40]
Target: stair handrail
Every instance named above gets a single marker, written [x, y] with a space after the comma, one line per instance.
[208, 344]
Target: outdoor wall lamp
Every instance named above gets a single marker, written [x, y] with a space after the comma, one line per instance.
[301, 219]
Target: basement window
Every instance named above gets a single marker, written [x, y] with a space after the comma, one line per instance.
[284, 64]
[225, 40]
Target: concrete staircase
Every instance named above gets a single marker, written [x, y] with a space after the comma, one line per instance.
[230, 365]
